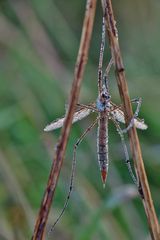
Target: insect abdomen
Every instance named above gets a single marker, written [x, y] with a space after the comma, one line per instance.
[102, 145]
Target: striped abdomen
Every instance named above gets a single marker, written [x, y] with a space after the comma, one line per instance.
[102, 145]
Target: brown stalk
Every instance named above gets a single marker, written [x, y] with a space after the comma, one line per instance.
[133, 137]
[61, 146]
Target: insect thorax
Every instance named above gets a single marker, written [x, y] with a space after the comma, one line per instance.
[103, 101]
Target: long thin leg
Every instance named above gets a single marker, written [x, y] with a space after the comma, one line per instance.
[73, 172]
[101, 58]
[127, 160]
[92, 107]
[121, 114]
[139, 102]
[105, 76]
[134, 100]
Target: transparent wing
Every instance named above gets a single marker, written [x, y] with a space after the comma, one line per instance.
[78, 115]
[119, 116]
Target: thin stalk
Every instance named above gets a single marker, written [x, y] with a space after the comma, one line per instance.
[39, 231]
[133, 137]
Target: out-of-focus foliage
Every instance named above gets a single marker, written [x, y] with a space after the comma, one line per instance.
[38, 46]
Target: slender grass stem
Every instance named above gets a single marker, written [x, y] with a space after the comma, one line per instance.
[133, 137]
[39, 231]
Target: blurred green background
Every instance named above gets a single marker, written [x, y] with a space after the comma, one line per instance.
[39, 41]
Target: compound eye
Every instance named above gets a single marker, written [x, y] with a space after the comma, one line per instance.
[106, 96]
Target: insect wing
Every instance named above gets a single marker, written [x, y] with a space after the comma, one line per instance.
[78, 115]
[119, 116]
[139, 123]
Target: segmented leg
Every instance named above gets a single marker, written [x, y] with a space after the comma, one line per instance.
[121, 114]
[139, 102]
[73, 172]
[87, 106]
[101, 57]
[105, 76]
[127, 160]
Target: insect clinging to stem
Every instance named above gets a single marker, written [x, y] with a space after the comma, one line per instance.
[106, 111]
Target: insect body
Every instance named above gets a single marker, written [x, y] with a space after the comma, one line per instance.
[106, 110]
[103, 106]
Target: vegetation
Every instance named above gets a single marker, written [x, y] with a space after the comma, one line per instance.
[38, 46]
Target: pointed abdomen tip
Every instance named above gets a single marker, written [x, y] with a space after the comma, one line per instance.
[104, 177]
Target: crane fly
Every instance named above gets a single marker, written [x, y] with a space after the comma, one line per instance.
[106, 111]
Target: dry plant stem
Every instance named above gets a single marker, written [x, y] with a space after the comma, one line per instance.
[133, 137]
[61, 146]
